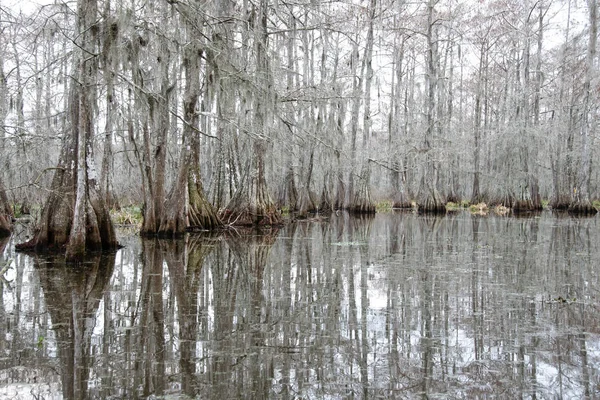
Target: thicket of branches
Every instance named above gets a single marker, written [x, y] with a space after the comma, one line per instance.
[246, 107]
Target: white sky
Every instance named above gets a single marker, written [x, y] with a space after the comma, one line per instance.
[25, 6]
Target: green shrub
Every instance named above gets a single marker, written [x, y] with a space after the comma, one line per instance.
[452, 206]
[480, 208]
[384, 206]
[545, 204]
[17, 210]
[131, 215]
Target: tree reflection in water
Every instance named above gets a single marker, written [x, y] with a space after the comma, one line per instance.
[396, 306]
[72, 295]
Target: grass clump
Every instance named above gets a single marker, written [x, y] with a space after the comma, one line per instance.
[131, 215]
[501, 210]
[596, 203]
[545, 204]
[17, 210]
[479, 208]
[384, 206]
[452, 206]
[285, 210]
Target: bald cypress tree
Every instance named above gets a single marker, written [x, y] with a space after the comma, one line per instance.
[75, 217]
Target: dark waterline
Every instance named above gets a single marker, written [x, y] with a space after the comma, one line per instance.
[395, 306]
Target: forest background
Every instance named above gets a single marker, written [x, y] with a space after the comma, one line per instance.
[203, 113]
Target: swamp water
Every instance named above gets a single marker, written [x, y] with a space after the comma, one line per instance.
[395, 306]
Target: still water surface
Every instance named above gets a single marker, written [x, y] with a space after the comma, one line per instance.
[395, 306]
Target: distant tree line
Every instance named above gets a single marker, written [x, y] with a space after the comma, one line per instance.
[228, 111]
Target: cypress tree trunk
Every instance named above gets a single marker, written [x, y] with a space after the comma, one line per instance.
[430, 200]
[187, 206]
[75, 217]
[252, 204]
[155, 164]
[6, 213]
[362, 202]
[581, 203]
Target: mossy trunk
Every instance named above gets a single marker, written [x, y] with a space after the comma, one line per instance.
[6, 213]
[289, 194]
[252, 203]
[432, 202]
[201, 213]
[75, 217]
[326, 204]
[187, 207]
[155, 156]
[306, 199]
[582, 207]
[362, 202]
[530, 199]
[399, 196]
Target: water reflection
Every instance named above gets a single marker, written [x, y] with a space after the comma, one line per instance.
[399, 305]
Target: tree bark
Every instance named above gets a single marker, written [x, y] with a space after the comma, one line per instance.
[155, 165]
[75, 217]
[430, 200]
[110, 58]
[252, 203]
[361, 201]
[187, 206]
[581, 202]
[6, 213]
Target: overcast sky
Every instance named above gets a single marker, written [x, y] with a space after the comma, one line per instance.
[26, 6]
